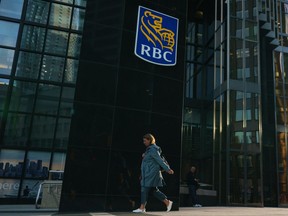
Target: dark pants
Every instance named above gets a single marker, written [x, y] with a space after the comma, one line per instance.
[193, 195]
[156, 192]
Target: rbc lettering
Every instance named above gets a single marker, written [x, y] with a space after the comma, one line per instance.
[155, 53]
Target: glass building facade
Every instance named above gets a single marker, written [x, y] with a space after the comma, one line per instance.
[39, 44]
[75, 98]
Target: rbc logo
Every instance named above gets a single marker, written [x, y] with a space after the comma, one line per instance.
[156, 37]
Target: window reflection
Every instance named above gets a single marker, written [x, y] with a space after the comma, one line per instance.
[282, 165]
[62, 133]
[23, 95]
[71, 70]
[37, 165]
[11, 8]
[33, 38]
[68, 94]
[28, 65]
[32, 186]
[74, 45]
[58, 164]
[239, 137]
[8, 33]
[43, 129]
[3, 92]
[239, 115]
[60, 15]
[56, 42]
[65, 1]
[12, 189]
[47, 99]
[11, 163]
[285, 17]
[66, 109]
[52, 68]
[37, 11]
[78, 19]
[6, 60]
[17, 129]
[81, 2]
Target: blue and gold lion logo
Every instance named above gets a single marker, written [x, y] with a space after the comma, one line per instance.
[151, 27]
[156, 39]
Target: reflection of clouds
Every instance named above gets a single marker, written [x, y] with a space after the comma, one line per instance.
[44, 156]
[11, 156]
[59, 161]
[4, 81]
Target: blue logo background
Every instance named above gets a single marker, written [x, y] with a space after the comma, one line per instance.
[156, 37]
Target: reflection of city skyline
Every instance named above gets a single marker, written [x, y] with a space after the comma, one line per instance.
[34, 169]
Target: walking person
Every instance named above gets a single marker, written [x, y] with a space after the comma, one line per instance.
[193, 185]
[151, 176]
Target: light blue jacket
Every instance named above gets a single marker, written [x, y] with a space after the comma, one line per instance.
[151, 175]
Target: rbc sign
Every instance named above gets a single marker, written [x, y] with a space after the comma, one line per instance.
[156, 37]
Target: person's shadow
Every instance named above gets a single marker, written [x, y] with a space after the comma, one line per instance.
[110, 214]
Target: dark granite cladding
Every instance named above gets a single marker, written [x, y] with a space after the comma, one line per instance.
[119, 98]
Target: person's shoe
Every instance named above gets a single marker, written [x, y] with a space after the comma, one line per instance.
[197, 205]
[169, 207]
[139, 210]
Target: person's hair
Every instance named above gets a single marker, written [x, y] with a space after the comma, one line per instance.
[150, 137]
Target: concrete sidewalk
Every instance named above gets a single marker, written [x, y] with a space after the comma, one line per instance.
[204, 211]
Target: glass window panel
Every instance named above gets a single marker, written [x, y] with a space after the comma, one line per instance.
[30, 188]
[66, 109]
[285, 58]
[236, 8]
[239, 115]
[239, 95]
[71, 71]
[248, 115]
[52, 68]
[23, 95]
[47, 99]
[10, 189]
[17, 129]
[37, 11]
[68, 94]
[28, 65]
[250, 9]
[251, 30]
[74, 45]
[56, 42]
[4, 83]
[9, 8]
[8, 33]
[37, 165]
[11, 163]
[239, 137]
[62, 133]
[78, 19]
[43, 131]
[60, 15]
[6, 60]
[237, 54]
[58, 164]
[33, 38]
[81, 2]
[2, 118]
[285, 18]
[65, 1]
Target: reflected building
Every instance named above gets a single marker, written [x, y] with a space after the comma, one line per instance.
[70, 84]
